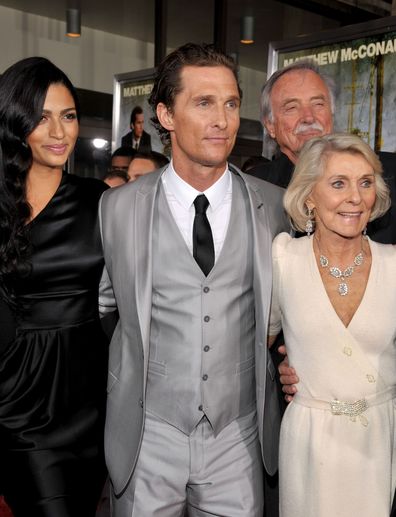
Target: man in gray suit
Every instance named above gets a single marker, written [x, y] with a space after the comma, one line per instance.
[192, 410]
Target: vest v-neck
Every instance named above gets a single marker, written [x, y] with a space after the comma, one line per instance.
[228, 235]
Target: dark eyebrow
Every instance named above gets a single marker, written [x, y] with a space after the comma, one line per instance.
[203, 97]
[234, 98]
[212, 97]
[63, 112]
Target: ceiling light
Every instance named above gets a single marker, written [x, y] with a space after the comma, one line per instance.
[247, 30]
[73, 23]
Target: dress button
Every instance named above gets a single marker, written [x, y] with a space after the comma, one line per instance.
[206, 348]
[370, 378]
[200, 407]
[207, 318]
[347, 351]
[205, 377]
[206, 289]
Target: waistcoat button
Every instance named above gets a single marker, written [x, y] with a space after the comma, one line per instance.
[207, 318]
[206, 348]
[205, 377]
[206, 289]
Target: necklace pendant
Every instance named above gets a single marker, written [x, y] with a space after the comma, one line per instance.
[323, 261]
[358, 261]
[335, 272]
[348, 271]
[341, 274]
[343, 289]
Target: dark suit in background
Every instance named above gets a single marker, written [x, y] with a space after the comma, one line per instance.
[393, 511]
[144, 143]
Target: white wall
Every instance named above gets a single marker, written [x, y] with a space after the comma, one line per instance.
[251, 83]
[92, 60]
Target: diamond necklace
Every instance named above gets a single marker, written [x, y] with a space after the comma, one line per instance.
[337, 272]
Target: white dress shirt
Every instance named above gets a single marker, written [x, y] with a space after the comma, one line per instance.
[180, 196]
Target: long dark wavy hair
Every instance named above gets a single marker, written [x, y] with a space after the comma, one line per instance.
[23, 88]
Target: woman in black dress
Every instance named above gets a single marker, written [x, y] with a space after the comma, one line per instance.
[53, 360]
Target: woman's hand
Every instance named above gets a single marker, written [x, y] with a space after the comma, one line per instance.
[288, 377]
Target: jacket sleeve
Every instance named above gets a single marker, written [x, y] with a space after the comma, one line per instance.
[107, 302]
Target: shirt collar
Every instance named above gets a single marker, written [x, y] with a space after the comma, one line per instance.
[185, 193]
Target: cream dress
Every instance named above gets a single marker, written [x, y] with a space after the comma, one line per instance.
[336, 465]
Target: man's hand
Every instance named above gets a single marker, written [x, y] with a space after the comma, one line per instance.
[288, 376]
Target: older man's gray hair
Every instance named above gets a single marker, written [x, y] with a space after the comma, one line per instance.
[304, 65]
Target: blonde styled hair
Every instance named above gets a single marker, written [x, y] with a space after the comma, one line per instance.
[310, 166]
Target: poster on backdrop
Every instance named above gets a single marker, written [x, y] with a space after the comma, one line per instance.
[361, 60]
[132, 89]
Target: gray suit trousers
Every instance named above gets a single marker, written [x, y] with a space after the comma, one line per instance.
[199, 474]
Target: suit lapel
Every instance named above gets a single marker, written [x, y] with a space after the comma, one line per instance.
[143, 232]
[262, 262]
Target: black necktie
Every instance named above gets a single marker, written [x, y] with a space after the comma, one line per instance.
[203, 247]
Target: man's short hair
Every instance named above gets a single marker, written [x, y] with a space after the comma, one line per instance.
[124, 151]
[137, 110]
[303, 65]
[167, 82]
[311, 164]
[159, 159]
[115, 172]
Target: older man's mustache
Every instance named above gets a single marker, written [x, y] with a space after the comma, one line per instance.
[308, 128]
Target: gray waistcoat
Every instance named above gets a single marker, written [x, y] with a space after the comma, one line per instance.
[202, 328]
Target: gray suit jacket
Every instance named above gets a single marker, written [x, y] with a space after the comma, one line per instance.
[126, 216]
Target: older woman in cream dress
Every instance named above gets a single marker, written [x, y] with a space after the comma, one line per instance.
[334, 296]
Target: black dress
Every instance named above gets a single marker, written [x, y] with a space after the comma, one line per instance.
[7, 324]
[53, 374]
